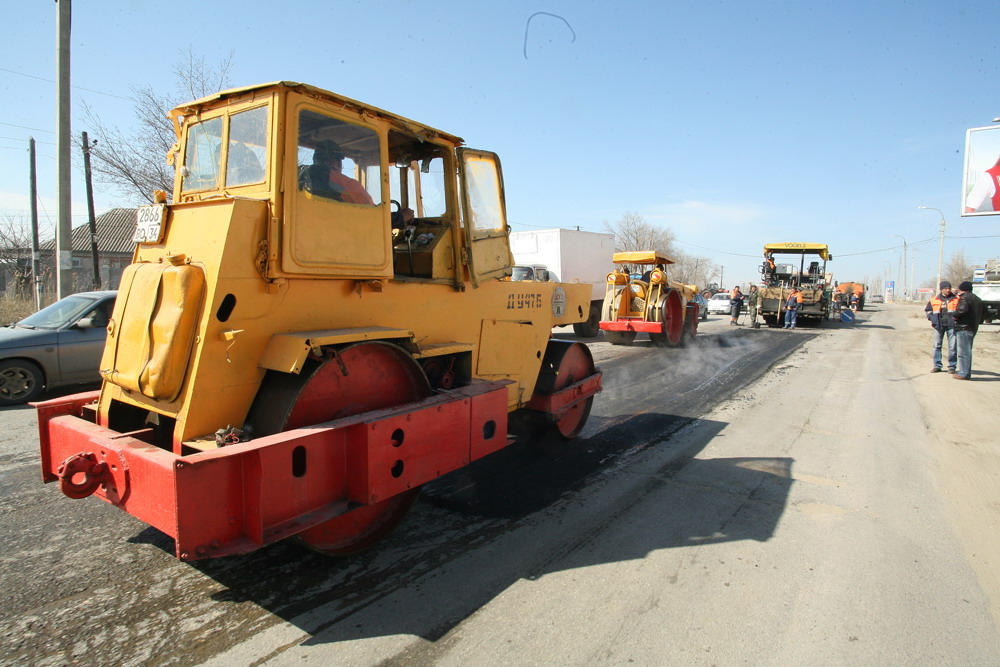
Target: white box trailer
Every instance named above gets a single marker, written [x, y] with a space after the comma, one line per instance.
[574, 257]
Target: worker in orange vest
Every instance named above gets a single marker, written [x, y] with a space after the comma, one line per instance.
[939, 311]
[792, 305]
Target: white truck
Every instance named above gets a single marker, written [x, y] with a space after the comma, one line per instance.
[573, 257]
[986, 285]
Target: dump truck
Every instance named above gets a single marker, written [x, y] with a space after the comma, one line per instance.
[986, 285]
[574, 256]
[779, 277]
[843, 291]
[314, 328]
[652, 304]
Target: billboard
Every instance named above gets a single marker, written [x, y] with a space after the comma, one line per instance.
[981, 176]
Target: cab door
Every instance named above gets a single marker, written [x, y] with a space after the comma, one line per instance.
[485, 215]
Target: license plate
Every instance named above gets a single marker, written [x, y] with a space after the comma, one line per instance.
[149, 223]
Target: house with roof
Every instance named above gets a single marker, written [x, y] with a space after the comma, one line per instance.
[114, 252]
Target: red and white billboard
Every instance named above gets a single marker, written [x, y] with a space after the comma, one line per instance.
[981, 177]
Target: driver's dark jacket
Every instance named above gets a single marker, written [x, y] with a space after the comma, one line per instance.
[969, 312]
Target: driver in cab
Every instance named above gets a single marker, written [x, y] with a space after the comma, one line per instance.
[326, 177]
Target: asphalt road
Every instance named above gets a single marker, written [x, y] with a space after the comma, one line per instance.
[713, 511]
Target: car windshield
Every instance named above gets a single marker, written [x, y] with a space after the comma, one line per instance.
[58, 314]
[720, 297]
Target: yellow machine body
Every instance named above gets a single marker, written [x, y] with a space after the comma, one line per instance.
[252, 268]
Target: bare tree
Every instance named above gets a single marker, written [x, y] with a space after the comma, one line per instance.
[957, 269]
[15, 254]
[632, 232]
[133, 161]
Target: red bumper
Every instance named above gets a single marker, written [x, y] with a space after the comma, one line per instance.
[238, 498]
[635, 325]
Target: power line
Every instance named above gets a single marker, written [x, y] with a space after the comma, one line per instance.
[89, 90]
[721, 252]
[36, 140]
[25, 127]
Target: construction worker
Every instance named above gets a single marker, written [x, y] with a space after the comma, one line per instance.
[940, 311]
[968, 315]
[753, 305]
[735, 305]
[792, 304]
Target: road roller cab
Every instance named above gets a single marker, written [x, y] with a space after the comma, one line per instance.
[317, 325]
[652, 303]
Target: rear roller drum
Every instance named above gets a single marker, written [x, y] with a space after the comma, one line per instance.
[378, 375]
[620, 337]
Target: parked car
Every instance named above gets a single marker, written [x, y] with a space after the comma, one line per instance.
[702, 306]
[719, 303]
[878, 298]
[59, 345]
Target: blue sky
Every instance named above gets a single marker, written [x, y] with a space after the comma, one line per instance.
[733, 123]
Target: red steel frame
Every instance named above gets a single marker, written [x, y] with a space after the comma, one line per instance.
[238, 498]
[637, 324]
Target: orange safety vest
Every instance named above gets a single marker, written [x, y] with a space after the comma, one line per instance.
[936, 303]
[798, 297]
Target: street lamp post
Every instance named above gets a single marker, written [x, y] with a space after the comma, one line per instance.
[940, 243]
[887, 273]
[906, 290]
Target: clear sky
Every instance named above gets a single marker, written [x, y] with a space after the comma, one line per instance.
[733, 123]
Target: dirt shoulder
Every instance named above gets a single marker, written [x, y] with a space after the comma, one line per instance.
[963, 425]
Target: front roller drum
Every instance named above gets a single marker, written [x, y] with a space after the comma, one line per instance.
[565, 366]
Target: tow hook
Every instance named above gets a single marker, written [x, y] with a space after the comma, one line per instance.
[94, 474]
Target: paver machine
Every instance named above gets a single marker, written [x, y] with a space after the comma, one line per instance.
[652, 303]
[785, 268]
[315, 327]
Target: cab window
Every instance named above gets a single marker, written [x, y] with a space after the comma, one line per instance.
[417, 175]
[338, 160]
[203, 155]
[486, 207]
[247, 147]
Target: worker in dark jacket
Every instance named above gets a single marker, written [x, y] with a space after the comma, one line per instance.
[735, 305]
[968, 314]
[939, 311]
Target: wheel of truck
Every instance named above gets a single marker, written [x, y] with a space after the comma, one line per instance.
[771, 320]
[362, 377]
[592, 326]
[562, 366]
[670, 310]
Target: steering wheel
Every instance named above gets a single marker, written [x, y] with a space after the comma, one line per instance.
[397, 215]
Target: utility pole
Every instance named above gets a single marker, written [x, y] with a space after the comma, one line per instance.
[90, 211]
[940, 243]
[36, 263]
[906, 291]
[64, 230]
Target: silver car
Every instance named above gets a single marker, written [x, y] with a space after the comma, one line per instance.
[57, 346]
